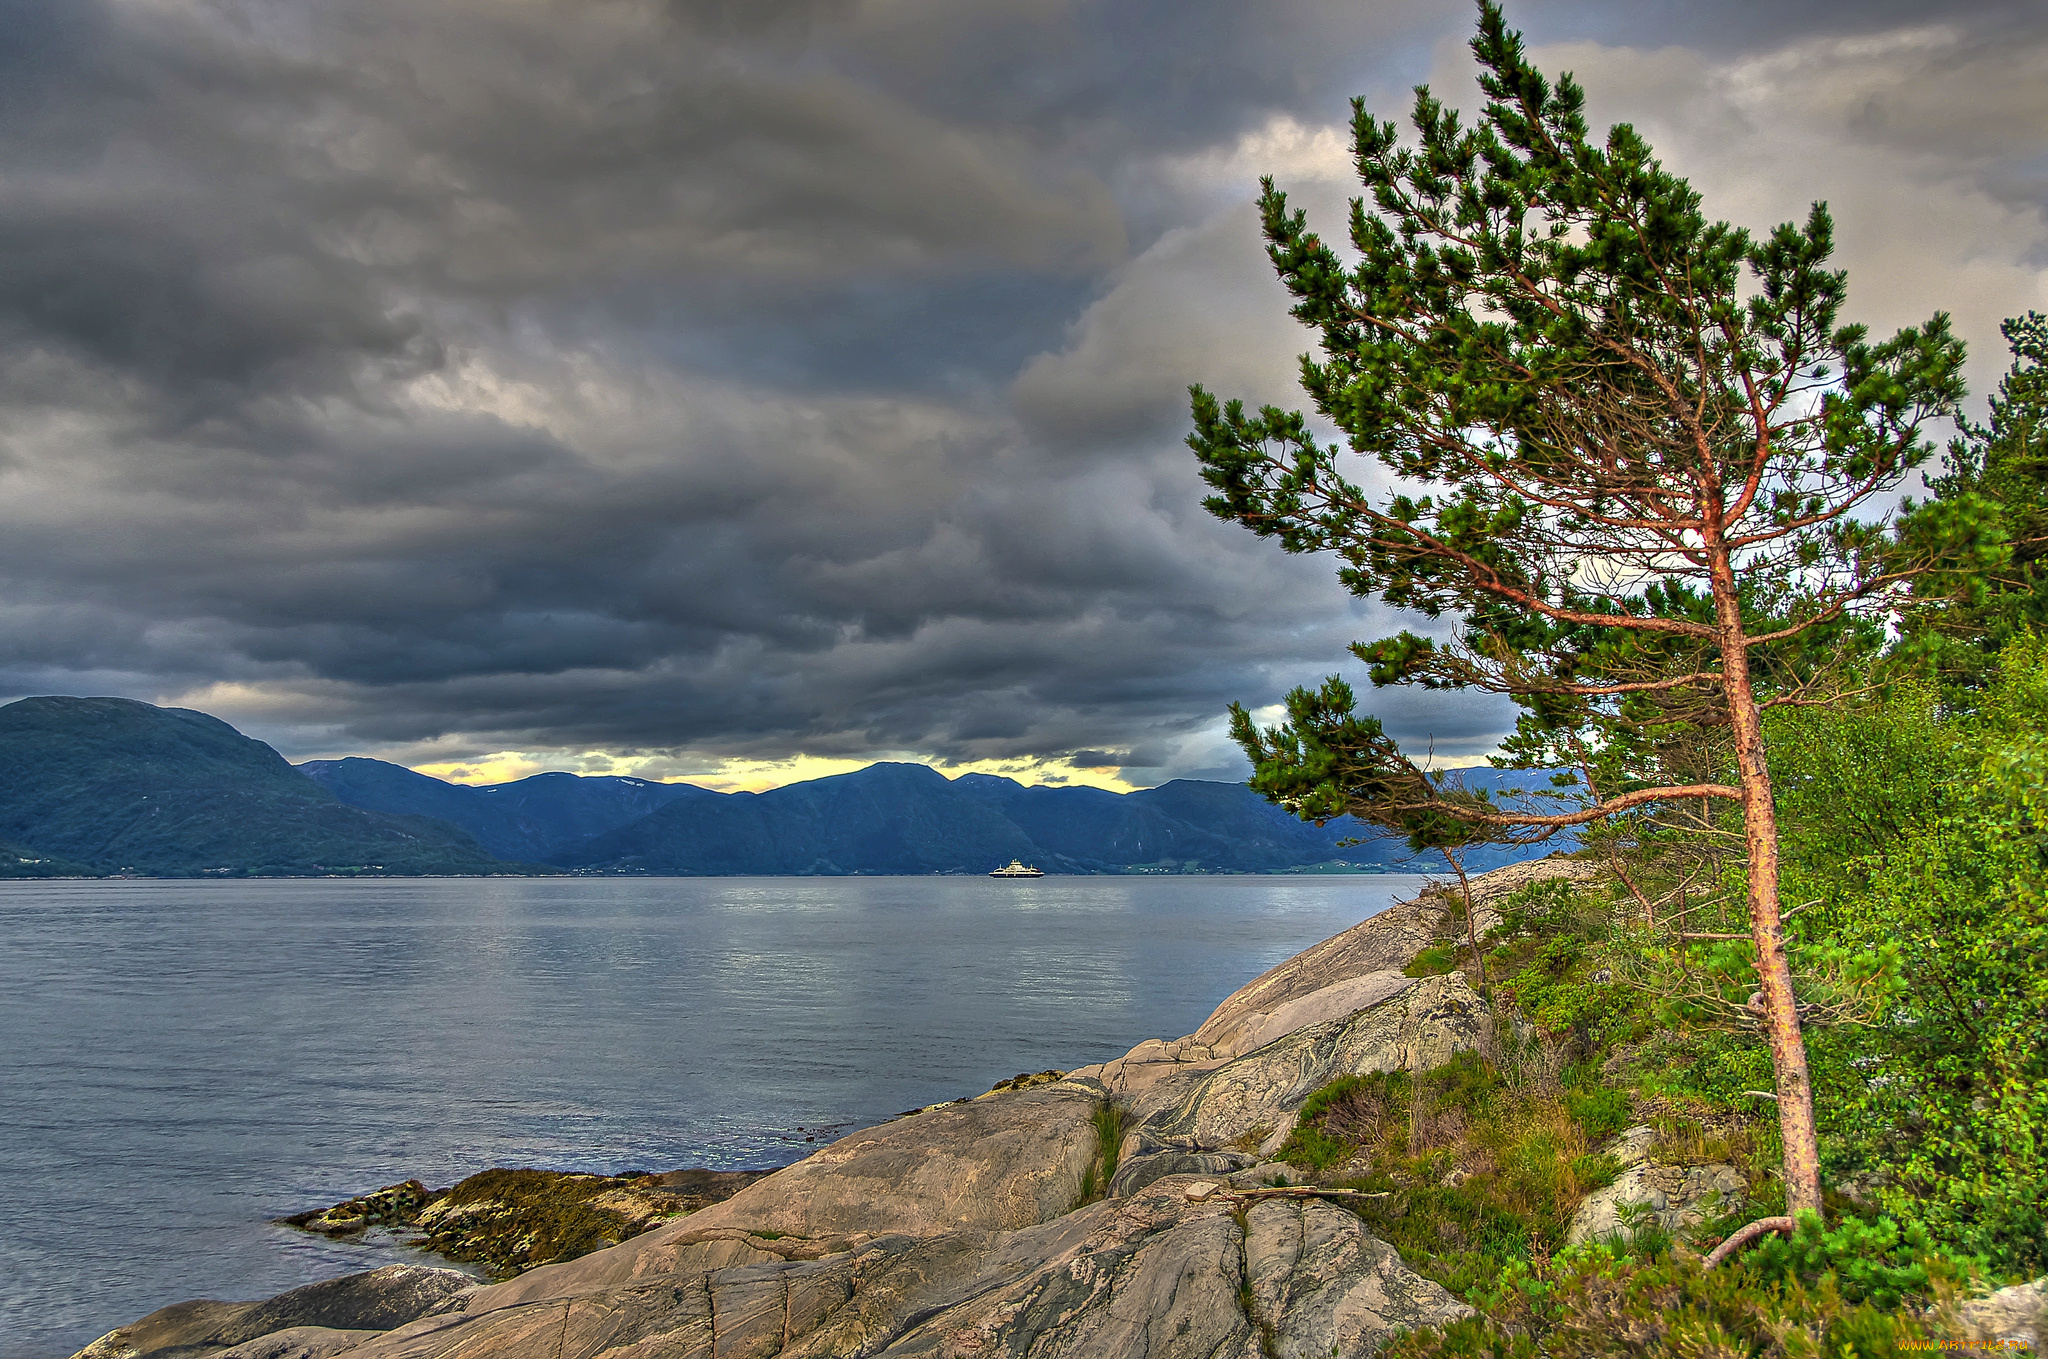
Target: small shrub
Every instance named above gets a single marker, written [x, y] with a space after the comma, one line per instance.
[1601, 1112]
[1345, 1116]
[1434, 961]
[1313, 1149]
[1478, 1171]
[1594, 1171]
[1878, 1261]
[1686, 1142]
[1603, 1302]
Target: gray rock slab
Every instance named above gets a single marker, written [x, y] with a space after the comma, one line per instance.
[1388, 942]
[1631, 1146]
[183, 1327]
[298, 1342]
[377, 1300]
[1141, 1077]
[2012, 1316]
[364, 1304]
[1139, 1171]
[1322, 1285]
[1673, 1197]
[1153, 1276]
[993, 1165]
[1422, 1027]
[1334, 1001]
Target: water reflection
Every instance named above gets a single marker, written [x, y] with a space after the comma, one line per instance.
[187, 1060]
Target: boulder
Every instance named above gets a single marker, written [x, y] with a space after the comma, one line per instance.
[1255, 1098]
[1352, 971]
[995, 1165]
[508, 1220]
[1672, 1197]
[1631, 1146]
[394, 1203]
[1024, 1080]
[357, 1305]
[2011, 1318]
[1386, 943]
[374, 1301]
[1322, 1285]
[299, 1342]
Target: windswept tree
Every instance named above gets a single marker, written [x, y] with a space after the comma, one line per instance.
[1625, 447]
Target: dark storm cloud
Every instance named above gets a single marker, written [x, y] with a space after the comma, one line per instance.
[743, 379]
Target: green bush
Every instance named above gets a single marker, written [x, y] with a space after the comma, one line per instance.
[1551, 942]
[1877, 1261]
[1603, 1302]
[1964, 1105]
[1476, 1170]
[1348, 1114]
[1434, 961]
[1939, 1107]
[1108, 1119]
[1602, 1112]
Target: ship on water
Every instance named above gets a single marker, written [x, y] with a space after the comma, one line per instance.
[1018, 869]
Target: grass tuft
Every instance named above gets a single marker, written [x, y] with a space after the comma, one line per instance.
[1109, 1120]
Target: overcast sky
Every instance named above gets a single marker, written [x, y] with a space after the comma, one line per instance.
[746, 389]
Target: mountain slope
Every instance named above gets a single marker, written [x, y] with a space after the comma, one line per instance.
[526, 819]
[19, 861]
[887, 818]
[116, 784]
[907, 818]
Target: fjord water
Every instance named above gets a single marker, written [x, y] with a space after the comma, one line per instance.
[185, 1061]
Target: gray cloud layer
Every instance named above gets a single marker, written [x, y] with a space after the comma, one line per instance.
[739, 379]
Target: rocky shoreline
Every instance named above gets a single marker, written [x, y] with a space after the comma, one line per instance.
[1129, 1209]
[510, 1221]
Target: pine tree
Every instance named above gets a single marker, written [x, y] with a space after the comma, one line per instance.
[1996, 471]
[1622, 444]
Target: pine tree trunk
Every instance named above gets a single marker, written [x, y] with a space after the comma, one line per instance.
[1780, 1007]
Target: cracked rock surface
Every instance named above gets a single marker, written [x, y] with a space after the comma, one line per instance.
[1154, 1276]
[1258, 1095]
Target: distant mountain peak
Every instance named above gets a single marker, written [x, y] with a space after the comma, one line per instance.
[115, 783]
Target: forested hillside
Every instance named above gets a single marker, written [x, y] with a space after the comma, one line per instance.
[109, 784]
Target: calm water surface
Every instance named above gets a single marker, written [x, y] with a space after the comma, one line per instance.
[181, 1062]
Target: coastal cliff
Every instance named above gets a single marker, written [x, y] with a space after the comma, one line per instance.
[1163, 1204]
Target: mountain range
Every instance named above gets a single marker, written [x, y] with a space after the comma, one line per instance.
[109, 785]
[103, 785]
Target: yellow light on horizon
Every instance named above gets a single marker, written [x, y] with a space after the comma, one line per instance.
[749, 776]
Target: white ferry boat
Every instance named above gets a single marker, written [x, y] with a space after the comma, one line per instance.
[1018, 869]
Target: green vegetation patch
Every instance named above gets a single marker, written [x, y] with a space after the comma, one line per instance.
[512, 1220]
[1607, 1303]
[1479, 1170]
[1108, 1120]
[1434, 961]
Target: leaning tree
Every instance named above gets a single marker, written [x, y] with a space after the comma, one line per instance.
[1622, 446]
